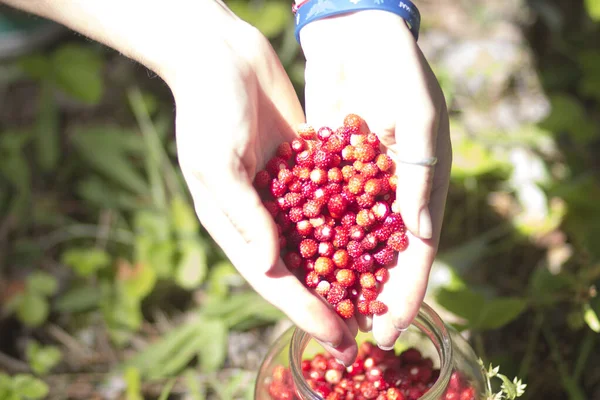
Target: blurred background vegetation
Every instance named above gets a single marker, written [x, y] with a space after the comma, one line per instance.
[109, 288]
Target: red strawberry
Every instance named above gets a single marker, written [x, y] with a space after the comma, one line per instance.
[306, 132]
[384, 256]
[345, 277]
[275, 164]
[284, 151]
[336, 293]
[345, 309]
[398, 241]
[262, 179]
[308, 248]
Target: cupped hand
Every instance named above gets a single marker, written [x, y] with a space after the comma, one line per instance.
[368, 63]
[234, 107]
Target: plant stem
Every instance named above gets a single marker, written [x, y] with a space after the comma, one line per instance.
[584, 352]
[532, 342]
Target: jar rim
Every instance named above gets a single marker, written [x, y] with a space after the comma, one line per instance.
[427, 321]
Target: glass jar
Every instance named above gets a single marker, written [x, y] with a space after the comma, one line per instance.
[453, 359]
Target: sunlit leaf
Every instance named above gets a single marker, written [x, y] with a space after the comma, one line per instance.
[499, 312]
[42, 359]
[42, 283]
[30, 387]
[221, 277]
[33, 309]
[593, 9]
[137, 280]
[184, 219]
[214, 351]
[78, 299]
[569, 115]
[591, 318]
[86, 261]
[78, 71]
[270, 17]
[192, 268]
[134, 384]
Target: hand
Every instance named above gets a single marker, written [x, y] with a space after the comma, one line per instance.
[233, 111]
[368, 63]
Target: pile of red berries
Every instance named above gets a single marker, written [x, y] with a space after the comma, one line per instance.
[376, 374]
[332, 196]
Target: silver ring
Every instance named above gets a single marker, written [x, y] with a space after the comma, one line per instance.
[424, 162]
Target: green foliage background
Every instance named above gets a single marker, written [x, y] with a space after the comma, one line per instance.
[98, 236]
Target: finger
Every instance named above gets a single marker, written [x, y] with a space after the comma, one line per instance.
[406, 287]
[278, 286]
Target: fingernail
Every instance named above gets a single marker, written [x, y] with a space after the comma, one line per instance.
[385, 348]
[400, 329]
[424, 223]
[341, 362]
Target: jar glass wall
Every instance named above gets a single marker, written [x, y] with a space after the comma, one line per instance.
[454, 371]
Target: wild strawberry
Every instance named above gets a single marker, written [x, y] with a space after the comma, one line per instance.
[394, 222]
[356, 184]
[373, 187]
[317, 221]
[306, 132]
[275, 164]
[284, 222]
[308, 189]
[364, 152]
[384, 162]
[305, 159]
[382, 275]
[337, 204]
[467, 394]
[321, 196]
[298, 145]
[312, 279]
[348, 219]
[363, 307]
[294, 238]
[354, 248]
[363, 263]
[357, 138]
[373, 140]
[369, 170]
[324, 266]
[308, 265]
[262, 179]
[336, 293]
[311, 208]
[282, 203]
[333, 377]
[326, 249]
[335, 144]
[336, 160]
[347, 172]
[384, 256]
[335, 175]
[324, 133]
[340, 237]
[323, 233]
[365, 200]
[367, 280]
[308, 248]
[295, 186]
[300, 172]
[353, 122]
[393, 181]
[345, 277]
[369, 294]
[293, 199]
[394, 394]
[369, 242]
[323, 288]
[358, 166]
[381, 210]
[284, 151]
[365, 218]
[398, 241]
[356, 233]
[271, 207]
[322, 158]
[376, 307]
[304, 228]
[292, 260]
[285, 176]
[348, 153]
[295, 214]
[278, 189]
[318, 176]
[345, 309]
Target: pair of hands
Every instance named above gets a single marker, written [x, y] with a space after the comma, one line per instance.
[365, 63]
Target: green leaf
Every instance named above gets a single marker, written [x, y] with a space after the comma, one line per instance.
[79, 299]
[100, 193]
[242, 310]
[42, 359]
[499, 312]
[164, 394]
[47, 138]
[29, 387]
[569, 115]
[545, 286]
[141, 282]
[184, 220]
[36, 66]
[593, 9]
[214, 350]
[110, 157]
[42, 283]
[86, 261]
[78, 71]
[134, 384]
[591, 318]
[192, 269]
[463, 303]
[33, 309]
[221, 277]
[196, 390]
[270, 17]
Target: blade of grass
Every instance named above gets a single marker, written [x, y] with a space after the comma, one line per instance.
[586, 348]
[164, 395]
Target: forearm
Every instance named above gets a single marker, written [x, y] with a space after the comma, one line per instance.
[155, 33]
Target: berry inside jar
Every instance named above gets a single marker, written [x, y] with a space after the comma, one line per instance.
[376, 374]
[332, 195]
